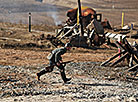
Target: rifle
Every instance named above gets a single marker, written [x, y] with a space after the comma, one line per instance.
[63, 63]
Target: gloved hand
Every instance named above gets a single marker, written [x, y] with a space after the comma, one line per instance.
[58, 64]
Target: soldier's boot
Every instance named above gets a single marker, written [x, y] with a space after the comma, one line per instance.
[40, 73]
[64, 76]
[46, 70]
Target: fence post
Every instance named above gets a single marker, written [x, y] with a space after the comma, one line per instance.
[29, 22]
[122, 19]
[120, 41]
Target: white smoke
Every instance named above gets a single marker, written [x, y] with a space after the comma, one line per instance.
[54, 15]
[53, 11]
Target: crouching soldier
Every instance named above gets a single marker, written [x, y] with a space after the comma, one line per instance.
[55, 59]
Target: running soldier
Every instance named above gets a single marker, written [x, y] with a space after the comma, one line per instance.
[55, 59]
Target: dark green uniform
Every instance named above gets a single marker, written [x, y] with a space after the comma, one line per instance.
[55, 55]
[54, 58]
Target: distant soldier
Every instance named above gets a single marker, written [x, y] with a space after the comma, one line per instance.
[55, 59]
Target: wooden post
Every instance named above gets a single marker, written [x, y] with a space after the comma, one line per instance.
[131, 60]
[121, 45]
[60, 32]
[123, 52]
[122, 19]
[29, 22]
[71, 29]
[129, 49]
[120, 41]
[131, 26]
[80, 17]
[134, 68]
[121, 58]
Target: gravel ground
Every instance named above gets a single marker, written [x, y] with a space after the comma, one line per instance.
[90, 83]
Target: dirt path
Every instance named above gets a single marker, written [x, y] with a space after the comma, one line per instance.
[38, 57]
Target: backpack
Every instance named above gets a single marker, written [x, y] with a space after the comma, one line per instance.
[50, 56]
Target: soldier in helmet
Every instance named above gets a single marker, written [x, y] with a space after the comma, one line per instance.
[55, 59]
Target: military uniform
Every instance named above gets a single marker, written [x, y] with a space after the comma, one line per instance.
[55, 57]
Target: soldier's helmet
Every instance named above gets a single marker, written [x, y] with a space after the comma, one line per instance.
[68, 45]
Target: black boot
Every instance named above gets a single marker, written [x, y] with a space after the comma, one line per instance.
[46, 70]
[64, 76]
[40, 73]
[67, 79]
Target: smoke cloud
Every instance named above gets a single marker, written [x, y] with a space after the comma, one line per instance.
[53, 11]
[54, 15]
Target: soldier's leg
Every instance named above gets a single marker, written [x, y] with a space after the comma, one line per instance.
[46, 70]
[63, 75]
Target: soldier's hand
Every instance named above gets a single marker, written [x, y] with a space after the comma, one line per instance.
[58, 64]
[61, 61]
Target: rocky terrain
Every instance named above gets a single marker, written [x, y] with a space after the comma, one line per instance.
[22, 58]
[90, 83]
[23, 54]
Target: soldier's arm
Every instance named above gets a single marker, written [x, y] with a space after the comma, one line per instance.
[58, 57]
